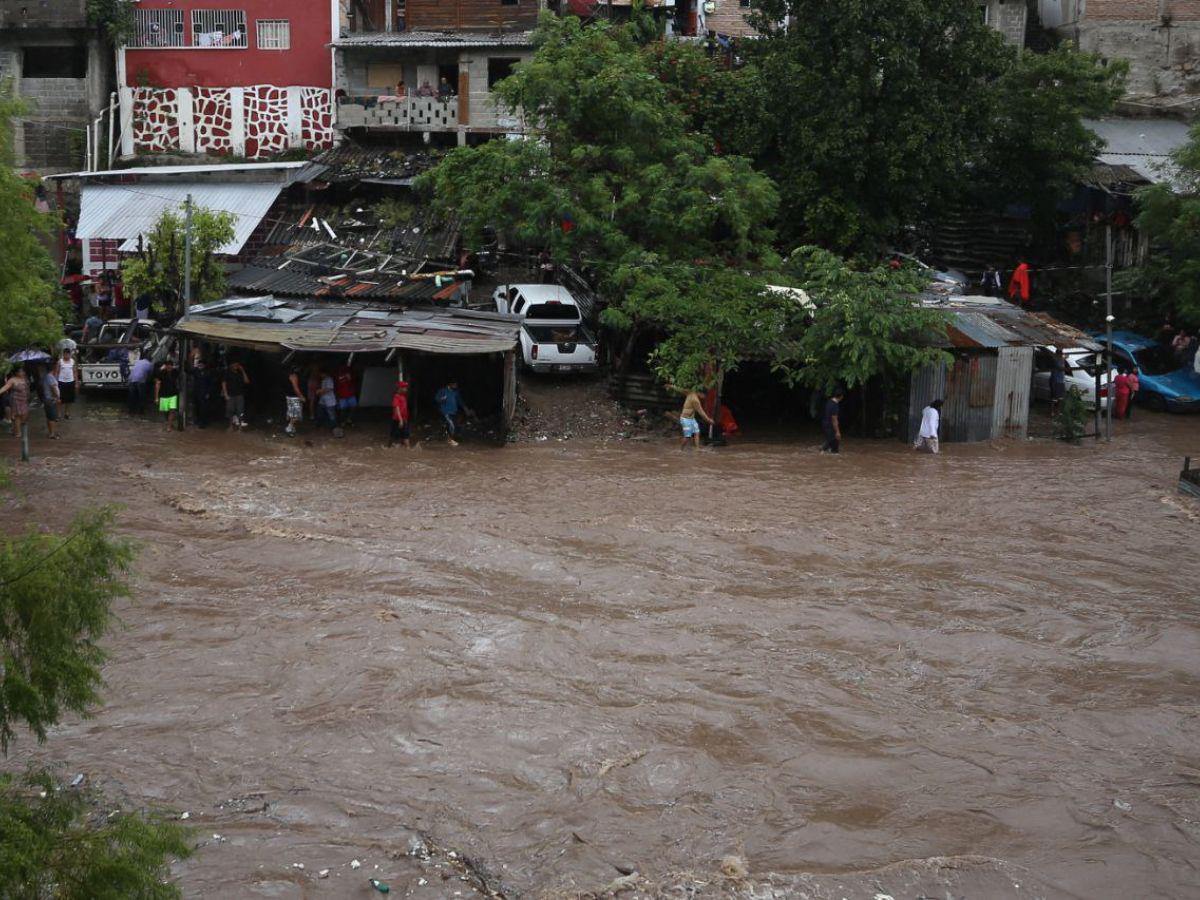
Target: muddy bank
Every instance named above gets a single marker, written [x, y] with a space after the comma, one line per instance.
[880, 673]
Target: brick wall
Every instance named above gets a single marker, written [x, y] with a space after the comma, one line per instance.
[1141, 10]
[729, 18]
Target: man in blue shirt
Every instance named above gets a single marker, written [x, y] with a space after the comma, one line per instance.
[139, 383]
[449, 402]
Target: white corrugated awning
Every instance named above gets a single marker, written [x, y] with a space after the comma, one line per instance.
[123, 212]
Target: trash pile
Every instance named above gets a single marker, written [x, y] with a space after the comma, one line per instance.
[559, 411]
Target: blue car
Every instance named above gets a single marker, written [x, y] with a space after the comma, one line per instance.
[1162, 382]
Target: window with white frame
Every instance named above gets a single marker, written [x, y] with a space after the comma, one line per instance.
[219, 28]
[274, 34]
[157, 28]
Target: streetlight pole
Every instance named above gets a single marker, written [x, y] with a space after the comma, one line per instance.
[1108, 323]
[187, 305]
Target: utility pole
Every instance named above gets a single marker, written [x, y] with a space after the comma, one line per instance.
[1108, 323]
[187, 305]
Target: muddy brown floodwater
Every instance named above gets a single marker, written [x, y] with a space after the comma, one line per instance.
[968, 676]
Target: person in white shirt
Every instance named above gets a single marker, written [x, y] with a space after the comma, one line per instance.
[931, 420]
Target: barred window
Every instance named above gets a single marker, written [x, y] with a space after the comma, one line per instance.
[274, 34]
[157, 28]
[219, 28]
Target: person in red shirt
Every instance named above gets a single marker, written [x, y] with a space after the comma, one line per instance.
[400, 430]
[346, 391]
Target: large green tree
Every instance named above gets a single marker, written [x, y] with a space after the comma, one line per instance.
[1036, 145]
[28, 317]
[875, 108]
[614, 179]
[877, 114]
[56, 594]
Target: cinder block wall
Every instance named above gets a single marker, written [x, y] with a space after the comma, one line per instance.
[1162, 45]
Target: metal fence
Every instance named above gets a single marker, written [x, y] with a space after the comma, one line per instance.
[222, 29]
[157, 28]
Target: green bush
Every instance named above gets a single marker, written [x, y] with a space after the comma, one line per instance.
[1072, 414]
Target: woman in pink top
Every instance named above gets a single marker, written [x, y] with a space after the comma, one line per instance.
[19, 385]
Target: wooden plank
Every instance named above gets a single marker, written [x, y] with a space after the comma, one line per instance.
[492, 15]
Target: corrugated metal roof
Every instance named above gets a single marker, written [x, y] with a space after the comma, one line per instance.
[1144, 145]
[297, 280]
[264, 322]
[123, 212]
[986, 322]
[435, 39]
[172, 171]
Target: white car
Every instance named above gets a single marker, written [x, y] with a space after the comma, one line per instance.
[553, 335]
[1081, 373]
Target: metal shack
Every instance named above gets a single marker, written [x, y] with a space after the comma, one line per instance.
[419, 344]
[987, 386]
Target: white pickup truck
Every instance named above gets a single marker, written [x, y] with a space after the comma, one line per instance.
[553, 336]
[104, 363]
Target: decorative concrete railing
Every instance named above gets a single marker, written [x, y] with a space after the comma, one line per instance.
[415, 113]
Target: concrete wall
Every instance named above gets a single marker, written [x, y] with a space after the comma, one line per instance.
[51, 137]
[1159, 38]
[57, 14]
[485, 111]
[1008, 17]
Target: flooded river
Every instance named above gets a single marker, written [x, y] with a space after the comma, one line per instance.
[974, 675]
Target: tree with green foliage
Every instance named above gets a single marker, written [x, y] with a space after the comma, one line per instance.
[1072, 416]
[114, 18]
[712, 321]
[1169, 214]
[63, 843]
[613, 180]
[158, 269]
[28, 315]
[866, 323]
[875, 109]
[878, 114]
[56, 594]
[1037, 146]
[611, 168]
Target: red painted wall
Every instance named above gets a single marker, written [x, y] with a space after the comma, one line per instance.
[308, 63]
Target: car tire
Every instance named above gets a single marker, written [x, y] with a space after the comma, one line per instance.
[1155, 402]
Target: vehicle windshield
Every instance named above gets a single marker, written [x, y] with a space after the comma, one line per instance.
[553, 312]
[1085, 362]
[1156, 360]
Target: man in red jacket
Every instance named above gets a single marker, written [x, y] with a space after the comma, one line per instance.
[1018, 286]
[400, 430]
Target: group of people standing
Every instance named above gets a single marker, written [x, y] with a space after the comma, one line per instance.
[216, 390]
[52, 382]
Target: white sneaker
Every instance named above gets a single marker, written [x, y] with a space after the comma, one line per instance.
[452, 442]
